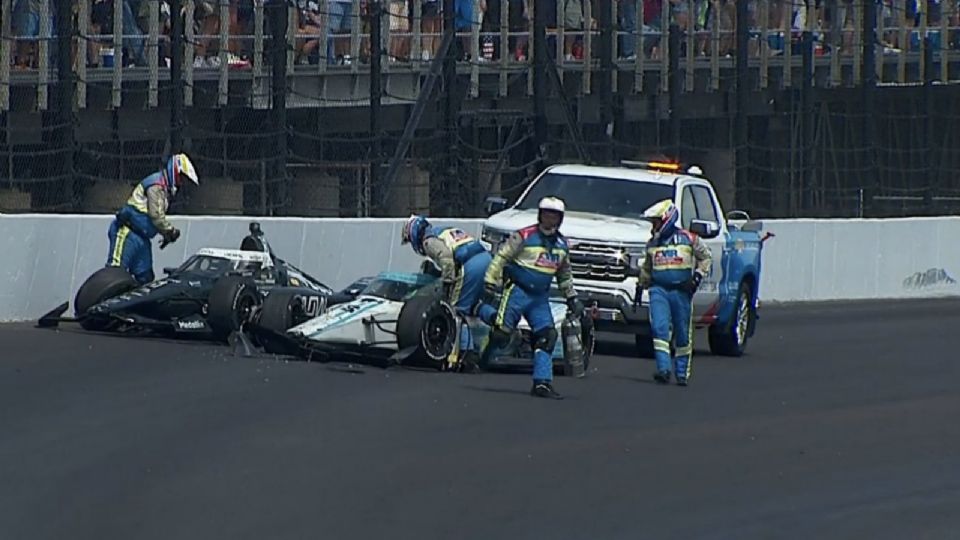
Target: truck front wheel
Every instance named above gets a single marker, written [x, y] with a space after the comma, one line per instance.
[731, 338]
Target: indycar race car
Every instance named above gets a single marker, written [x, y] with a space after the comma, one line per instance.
[400, 319]
[214, 292]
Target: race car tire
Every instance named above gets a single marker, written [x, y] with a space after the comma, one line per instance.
[103, 284]
[430, 326]
[731, 339]
[281, 310]
[230, 304]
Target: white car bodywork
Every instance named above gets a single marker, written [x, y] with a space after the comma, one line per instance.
[370, 321]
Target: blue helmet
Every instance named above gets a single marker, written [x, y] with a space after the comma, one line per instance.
[413, 231]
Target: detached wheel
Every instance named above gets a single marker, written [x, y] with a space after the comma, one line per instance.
[101, 285]
[430, 326]
[231, 304]
[731, 339]
[281, 311]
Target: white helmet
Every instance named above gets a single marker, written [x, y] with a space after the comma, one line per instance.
[179, 167]
[550, 204]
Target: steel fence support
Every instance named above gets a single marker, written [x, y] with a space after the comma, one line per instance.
[450, 104]
[869, 71]
[741, 123]
[409, 130]
[540, 59]
[279, 20]
[65, 94]
[807, 147]
[674, 90]
[605, 20]
[176, 77]
[376, 94]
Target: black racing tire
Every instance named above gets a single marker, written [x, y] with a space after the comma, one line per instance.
[731, 339]
[429, 325]
[103, 284]
[230, 305]
[281, 310]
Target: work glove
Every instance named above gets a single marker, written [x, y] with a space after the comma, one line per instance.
[694, 283]
[575, 306]
[169, 237]
[638, 296]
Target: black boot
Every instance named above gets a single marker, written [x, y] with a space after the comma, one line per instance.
[662, 377]
[470, 363]
[544, 389]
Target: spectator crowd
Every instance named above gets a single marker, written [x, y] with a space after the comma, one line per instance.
[639, 27]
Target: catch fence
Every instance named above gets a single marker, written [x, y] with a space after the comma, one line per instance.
[319, 107]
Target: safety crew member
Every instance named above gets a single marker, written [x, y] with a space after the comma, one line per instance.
[462, 260]
[526, 264]
[144, 216]
[675, 264]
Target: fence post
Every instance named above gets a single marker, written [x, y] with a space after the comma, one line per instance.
[540, 59]
[869, 70]
[65, 93]
[807, 148]
[741, 125]
[673, 52]
[376, 94]
[932, 179]
[607, 78]
[176, 77]
[279, 25]
[450, 105]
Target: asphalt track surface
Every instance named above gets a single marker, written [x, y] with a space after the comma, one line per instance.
[841, 422]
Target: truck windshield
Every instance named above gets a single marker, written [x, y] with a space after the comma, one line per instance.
[598, 195]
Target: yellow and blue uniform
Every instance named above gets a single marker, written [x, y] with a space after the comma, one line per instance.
[138, 221]
[526, 264]
[463, 262]
[673, 256]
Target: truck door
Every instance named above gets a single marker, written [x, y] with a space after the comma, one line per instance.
[696, 202]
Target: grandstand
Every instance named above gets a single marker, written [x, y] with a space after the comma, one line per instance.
[357, 108]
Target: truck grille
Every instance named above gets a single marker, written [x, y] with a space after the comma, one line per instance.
[601, 261]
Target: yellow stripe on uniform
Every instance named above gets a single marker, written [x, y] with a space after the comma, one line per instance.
[117, 255]
[661, 345]
[502, 312]
[689, 347]
[457, 289]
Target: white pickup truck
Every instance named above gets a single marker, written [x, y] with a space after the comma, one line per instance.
[608, 236]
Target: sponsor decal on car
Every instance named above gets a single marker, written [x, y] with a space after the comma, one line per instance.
[194, 324]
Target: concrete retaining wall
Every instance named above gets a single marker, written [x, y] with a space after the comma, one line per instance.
[45, 258]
